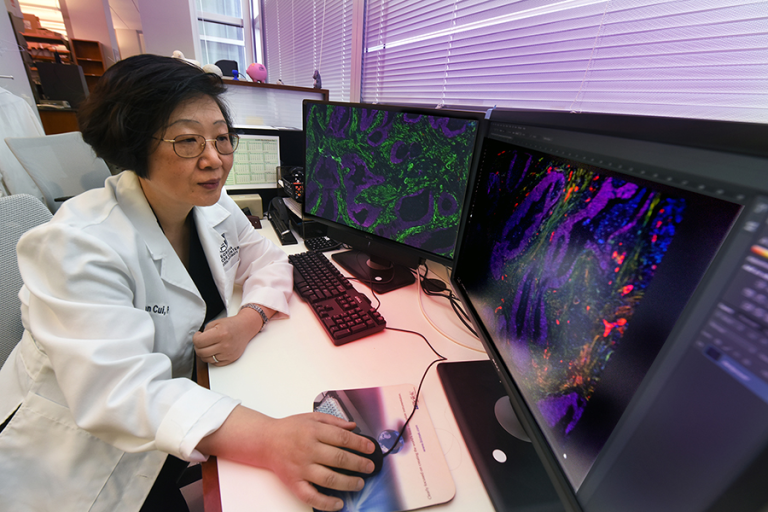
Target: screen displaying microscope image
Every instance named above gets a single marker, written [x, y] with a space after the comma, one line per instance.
[401, 175]
[578, 274]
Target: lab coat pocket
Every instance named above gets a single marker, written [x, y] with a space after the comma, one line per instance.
[47, 461]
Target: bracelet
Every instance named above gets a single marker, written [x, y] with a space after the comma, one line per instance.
[260, 311]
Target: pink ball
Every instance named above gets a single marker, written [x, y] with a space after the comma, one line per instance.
[257, 72]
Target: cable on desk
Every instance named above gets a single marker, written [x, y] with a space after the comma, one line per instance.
[452, 298]
[440, 358]
[370, 283]
[373, 292]
[457, 308]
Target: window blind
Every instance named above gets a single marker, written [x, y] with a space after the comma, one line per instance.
[680, 58]
[301, 36]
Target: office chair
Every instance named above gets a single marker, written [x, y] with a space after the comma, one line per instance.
[18, 213]
[227, 67]
[61, 165]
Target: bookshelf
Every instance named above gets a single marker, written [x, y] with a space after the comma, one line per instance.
[89, 55]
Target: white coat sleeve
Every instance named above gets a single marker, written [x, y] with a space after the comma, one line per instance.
[264, 271]
[81, 314]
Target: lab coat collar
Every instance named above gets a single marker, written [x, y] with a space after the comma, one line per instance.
[132, 201]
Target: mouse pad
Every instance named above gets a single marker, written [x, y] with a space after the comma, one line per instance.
[415, 474]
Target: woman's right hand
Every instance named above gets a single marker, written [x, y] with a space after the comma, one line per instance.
[300, 450]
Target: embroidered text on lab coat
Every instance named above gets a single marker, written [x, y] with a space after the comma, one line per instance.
[226, 252]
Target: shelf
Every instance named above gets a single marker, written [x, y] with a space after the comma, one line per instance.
[90, 50]
[50, 58]
[89, 55]
[323, 92]
[37, 38]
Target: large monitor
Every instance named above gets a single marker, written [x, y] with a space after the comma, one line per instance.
[63, 82]
[616, 268]
[389, 181]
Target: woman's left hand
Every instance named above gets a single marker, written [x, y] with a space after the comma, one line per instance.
[223, 340]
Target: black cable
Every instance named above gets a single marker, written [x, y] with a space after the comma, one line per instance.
[418, 390]
[452, 299]
[440, 357]
[373, 292]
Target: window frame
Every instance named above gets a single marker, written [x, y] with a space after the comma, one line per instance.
[251, 31]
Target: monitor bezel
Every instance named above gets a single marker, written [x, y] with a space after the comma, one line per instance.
[720, 136]
[397, 252]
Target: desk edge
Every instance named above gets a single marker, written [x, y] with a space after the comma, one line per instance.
[210, 468]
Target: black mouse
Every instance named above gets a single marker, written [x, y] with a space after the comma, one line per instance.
[377, 457]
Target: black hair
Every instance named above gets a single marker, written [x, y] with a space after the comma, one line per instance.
[134, 99]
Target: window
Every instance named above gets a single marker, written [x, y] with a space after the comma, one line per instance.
[678, 58]
[48, 13]
[223, 34]
[301, 36]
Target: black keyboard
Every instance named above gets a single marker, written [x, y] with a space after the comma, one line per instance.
[345, 313]
[321, 243]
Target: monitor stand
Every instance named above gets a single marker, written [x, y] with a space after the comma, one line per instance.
[518, 484]
[381, 277]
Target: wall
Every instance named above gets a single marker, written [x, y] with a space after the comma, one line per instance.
[170, 25]
[11, 63]
[91, 20]
[129, 41]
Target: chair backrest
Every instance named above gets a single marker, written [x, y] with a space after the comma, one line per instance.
[18, 213]
[61, 165]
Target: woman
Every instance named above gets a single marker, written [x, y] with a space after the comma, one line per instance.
[122, 288]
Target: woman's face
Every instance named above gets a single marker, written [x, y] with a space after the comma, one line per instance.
[175, 184]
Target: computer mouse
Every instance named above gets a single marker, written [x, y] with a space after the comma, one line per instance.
[377, 457]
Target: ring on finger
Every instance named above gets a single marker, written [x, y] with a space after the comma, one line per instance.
[214, 359]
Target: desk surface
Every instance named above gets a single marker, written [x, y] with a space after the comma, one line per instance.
[292, 360]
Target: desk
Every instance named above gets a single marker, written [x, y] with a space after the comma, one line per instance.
[293, 360]
[58, 120]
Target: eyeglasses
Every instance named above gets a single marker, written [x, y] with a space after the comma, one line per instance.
[192, 146]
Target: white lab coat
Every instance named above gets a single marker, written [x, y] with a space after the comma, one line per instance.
[17, 119]
[100, 376]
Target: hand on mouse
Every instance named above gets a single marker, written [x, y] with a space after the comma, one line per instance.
[300, 450]
[377, 457]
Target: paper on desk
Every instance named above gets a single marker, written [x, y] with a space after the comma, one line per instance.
[294, 206]
[415, 474]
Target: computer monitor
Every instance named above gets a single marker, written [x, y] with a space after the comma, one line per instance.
[63, 82]
[389, 181]
[617, 272]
